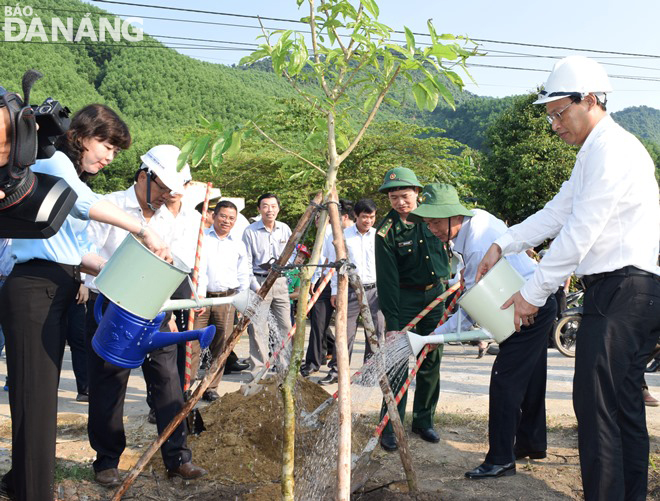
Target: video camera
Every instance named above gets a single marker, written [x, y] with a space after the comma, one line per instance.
[35, 204]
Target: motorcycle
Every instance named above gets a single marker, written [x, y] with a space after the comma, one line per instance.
[564, 335]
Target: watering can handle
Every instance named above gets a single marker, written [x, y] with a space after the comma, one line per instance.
[98, 305]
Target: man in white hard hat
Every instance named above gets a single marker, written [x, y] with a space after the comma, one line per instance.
[156, 181]
[606, 224]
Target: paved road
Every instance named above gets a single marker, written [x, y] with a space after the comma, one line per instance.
[464, 385]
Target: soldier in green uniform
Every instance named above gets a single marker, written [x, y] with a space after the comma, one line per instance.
[411, 269]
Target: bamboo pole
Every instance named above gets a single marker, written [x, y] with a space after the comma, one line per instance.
[195, 278]
[343, 364]
[388, 394]
[216, 369]
[311, 417]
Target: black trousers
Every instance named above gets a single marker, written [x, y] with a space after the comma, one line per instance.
[35, 299]
[75, 338]
[619, 329]
[516, 408]
[107, 391]
[321, 337]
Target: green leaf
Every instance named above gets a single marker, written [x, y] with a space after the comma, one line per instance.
[392, 102]
[419, 93]
[205, 121]
[444, 52]
[446, 95]
[410, 40]
[434, 35]
[431, 94]
[200, 150]
[216, 151]
[185, 153]
[296, 175]
[369, 103]
[371, 6]
[342, 141]
[235, 146]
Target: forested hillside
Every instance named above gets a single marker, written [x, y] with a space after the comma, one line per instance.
[642, 121]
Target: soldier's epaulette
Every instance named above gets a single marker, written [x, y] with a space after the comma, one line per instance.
[385, 227]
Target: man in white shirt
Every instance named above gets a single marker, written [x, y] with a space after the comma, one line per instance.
[156, 179]
[360, 240]
[264, 242]
[516, 418]
[605, 221]
[223, 272]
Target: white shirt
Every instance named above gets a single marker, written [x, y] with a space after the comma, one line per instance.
[324, 258]
[223, 266]
[185, 225]
[107, 237]
[605, 217]
[263, 245]
[360, 250]
[473, 240]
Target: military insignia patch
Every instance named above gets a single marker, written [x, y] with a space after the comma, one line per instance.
[393, 176]
[385, 228]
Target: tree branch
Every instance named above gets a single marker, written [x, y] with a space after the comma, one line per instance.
[350, 44]
[370, 118]
[315, 48]
[286, 150]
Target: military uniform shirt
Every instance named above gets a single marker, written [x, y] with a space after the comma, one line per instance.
[406, 254]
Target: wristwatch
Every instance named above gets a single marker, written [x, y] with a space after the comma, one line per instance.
[143, 228]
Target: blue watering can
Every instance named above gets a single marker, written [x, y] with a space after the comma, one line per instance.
[124, 339]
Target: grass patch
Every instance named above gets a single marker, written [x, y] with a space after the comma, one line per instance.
[69, 470]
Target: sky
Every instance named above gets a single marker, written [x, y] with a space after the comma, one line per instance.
[624, 40]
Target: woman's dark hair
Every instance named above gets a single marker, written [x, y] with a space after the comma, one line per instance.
[94, 121]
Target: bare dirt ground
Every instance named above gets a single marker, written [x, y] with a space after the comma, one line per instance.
[242, 443]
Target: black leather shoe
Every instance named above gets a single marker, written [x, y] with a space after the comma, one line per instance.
[388, 442]
[210, 396]
[237, 366]
[654, 366]
[82, 397]
[329, 379]
[108, 478]
[306, 371]
[487, 470]
[428, 434]
[187, 471]
[151, 418]
[530, 454]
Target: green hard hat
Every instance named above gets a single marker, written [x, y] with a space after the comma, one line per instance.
[438, 200]
[399, 177]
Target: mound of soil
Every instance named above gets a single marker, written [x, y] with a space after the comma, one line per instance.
[242, 443]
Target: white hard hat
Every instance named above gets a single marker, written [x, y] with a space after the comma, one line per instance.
[162, 160]
[575, 76]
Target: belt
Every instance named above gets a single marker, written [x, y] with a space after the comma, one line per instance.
[627, 271]
[228, 292]
[415, 287]
[260, 274]
[368, 287]
[73, 270]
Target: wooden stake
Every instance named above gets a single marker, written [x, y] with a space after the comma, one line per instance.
[343, 364]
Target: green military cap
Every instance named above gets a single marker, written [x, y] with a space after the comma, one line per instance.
[438, 200]
[399, 177]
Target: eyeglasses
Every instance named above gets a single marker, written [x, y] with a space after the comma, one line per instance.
[557, 114]
[160, 186]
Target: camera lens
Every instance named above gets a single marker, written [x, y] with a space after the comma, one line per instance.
[44, 109]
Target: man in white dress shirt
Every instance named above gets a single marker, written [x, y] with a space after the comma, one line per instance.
[360, 240]
[264, 242]
[223, 272]
[155, 181]
[605, 223]
[516, 417]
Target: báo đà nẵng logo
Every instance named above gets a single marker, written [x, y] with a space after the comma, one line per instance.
[22, 25]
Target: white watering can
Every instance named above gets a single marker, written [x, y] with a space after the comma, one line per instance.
[484, 299]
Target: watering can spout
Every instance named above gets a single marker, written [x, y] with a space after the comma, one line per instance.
[162, 339]
[417, 342]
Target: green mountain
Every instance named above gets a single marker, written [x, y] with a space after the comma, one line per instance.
[642, 121]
